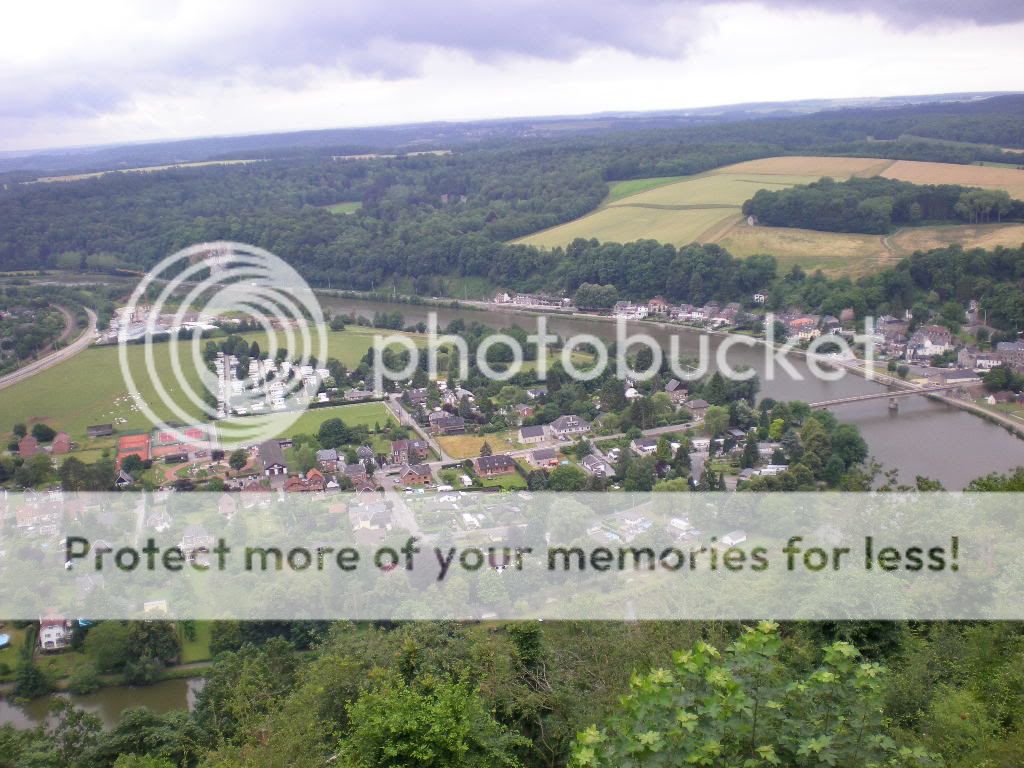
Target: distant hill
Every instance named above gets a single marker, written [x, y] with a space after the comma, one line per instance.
[854, 119]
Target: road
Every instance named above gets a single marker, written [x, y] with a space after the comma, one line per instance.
[84, 340]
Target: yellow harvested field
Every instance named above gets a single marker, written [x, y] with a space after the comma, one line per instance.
[836, 167]
[911, 239]
[834, 253]
[706, 208]
[468, 446]
[625, 224]
[1009, 179]
[679, 213]
[713, 189]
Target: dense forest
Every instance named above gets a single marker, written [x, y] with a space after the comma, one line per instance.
[427, 219]
[877, 205]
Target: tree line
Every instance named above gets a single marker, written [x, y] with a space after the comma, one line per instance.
[877, 205]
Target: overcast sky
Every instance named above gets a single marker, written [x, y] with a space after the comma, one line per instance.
[74, 73]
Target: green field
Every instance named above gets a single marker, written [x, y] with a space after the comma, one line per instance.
[367, 414]
[706, 208]
[342, 209]
[677, 211]
[620, 189]
[89, 388]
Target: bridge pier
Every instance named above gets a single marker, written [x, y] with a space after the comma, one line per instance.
[894, 404]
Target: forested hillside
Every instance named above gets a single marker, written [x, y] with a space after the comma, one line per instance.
[426, 218]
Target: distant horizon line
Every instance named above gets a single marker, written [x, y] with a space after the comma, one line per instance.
[865, 101]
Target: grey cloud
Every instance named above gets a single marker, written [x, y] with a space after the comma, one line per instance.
[389, 39]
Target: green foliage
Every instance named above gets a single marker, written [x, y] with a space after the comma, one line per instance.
[746, 708]
[431, 724]
[876, 205]
[567, 477]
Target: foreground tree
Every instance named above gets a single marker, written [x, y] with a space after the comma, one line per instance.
[430, 724]
[745, 708]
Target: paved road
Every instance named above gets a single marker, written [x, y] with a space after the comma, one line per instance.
[72, 349]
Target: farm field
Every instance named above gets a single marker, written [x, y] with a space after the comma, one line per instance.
[620, 189]
[911, 239]
[706, 208]
[308, 423]
[809, 165]
[834, 253]
[89, 388]
[677, 212]
[1010, 180]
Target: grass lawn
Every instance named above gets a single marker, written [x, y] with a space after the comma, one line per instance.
[198, 649]
[512, 482]
[468, 446]
[62, 664]
[10, 655]
[343, 208]
[89, 388]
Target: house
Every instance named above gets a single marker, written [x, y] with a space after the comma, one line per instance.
[370, 517]
[28, 446]
[928, 341]
[490, 466]
[544, 457]
[355, 471]
[327, 459]
[529, 435]
[61, 444]
[766, 450]
[448, 425]
[760, 298]
[524, 411]
[272, 458]
[123, 479]
[658, 306]
[358, 394]
[698, 407]
[365, 454]
[54, 633]
[417, 396]
[701, 444]
[408, 451]
[644, 446]
[100, 430]
[955, 376]
[536, 392]
[502, 297]
[597, 466]
[565, 426]
[1011, 352]
[416, 474]
[676, 390]
[315, 481]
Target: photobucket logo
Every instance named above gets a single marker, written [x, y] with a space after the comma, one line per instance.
[255, 380]
[826, 356]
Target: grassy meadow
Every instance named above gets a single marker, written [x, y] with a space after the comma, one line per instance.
[706, 208]
[89, 387]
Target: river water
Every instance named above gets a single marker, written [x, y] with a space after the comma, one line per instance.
[923, 437]
[108, 703]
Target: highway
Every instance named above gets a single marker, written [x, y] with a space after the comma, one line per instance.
[87, 337]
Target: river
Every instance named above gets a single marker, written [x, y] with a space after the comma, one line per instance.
[108, 703]
[924, 437]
